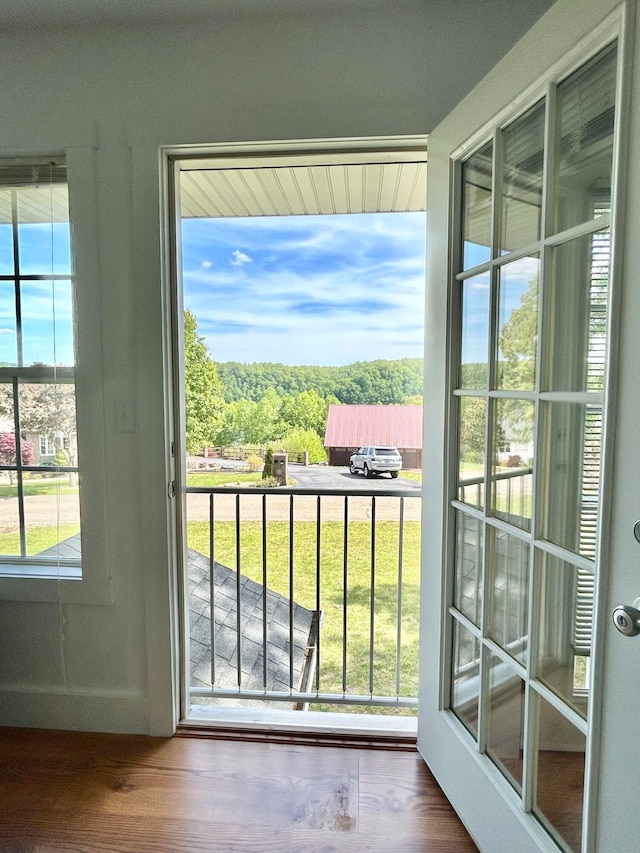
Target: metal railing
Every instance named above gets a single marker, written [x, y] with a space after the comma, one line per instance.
[512, 493]
[312, 595]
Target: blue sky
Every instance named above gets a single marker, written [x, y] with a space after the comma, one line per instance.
[307, 289]
[47, 310]
[515, 278]
[297, 290]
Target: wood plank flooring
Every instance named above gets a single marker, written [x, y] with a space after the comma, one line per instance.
[66, 791]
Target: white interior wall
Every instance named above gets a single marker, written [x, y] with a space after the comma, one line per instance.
[110, 97]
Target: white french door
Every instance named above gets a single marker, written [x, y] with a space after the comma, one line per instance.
[525, 354]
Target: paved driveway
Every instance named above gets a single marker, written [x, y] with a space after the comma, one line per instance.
[311, 479]
[325, 477]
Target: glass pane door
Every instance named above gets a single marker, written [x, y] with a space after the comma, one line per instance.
[532, 296]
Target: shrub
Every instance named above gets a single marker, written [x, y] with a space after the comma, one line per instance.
[60, 460]
[8, 454]
[299, 440]
[514, 461]
[267, 471]
[266, 483]
[254, 462]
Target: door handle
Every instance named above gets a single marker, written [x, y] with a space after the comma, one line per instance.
[626, 618]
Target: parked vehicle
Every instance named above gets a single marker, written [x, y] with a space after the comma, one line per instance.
[373, 459]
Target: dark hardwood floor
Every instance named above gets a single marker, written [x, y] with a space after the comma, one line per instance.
[65, 791]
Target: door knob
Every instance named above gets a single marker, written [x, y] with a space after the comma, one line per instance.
[627, 619]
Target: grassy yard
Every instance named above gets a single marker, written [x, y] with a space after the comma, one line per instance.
[221, 478]
[416, 476]
[332, 592]
[38, 539]
[48, 486]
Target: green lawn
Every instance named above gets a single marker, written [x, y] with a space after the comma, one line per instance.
[38, 539]
[215, 478]
[416, 476]
[332, 593]
[49, 486]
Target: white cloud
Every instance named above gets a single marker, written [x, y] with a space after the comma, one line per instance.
[240, 258]
[321, 290]
[7, 331]
[206, 264]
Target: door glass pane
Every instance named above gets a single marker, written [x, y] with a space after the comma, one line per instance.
[474, 368]
[523, 156]
[465, 677]
[570, 475]
[577, 306]
[518, 324]
[584, 143]
[505, 719]
[477, 176]
[512, 473]
[508, 570]
[560, 774]
[471, 452]
[468, 582]
[565, 623]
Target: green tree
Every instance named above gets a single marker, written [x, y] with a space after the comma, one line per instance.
[263, 427]
[236, 423]
[307, 411]
[203, 393]
[298, 440]
[473, 416]
[517, 363]
[518, 343]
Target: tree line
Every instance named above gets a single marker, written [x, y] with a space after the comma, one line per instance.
[274, 404]
[372, 382]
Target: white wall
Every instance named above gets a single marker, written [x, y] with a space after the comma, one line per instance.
[110, 98]
[101, 658]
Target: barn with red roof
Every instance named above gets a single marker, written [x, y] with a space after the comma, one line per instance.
[352, 427]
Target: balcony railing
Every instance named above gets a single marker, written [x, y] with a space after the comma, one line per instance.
[306, 598]
[511, 498]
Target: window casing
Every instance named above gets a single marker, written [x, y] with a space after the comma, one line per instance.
[39, 516]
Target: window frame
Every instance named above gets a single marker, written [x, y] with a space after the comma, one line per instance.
[87, 581]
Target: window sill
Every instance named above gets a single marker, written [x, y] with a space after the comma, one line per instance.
[24, 581]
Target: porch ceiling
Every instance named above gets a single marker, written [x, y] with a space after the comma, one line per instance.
[352, 182]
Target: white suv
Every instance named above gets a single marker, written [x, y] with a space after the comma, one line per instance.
[376, 460]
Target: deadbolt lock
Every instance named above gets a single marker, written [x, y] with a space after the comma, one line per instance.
[627, 619]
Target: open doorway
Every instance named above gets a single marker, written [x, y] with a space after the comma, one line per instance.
[298, 316]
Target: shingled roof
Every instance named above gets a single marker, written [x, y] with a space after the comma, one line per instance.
[355, 426]
[225, 637]
[251, 622]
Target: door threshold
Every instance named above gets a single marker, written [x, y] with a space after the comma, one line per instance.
[317, 727]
